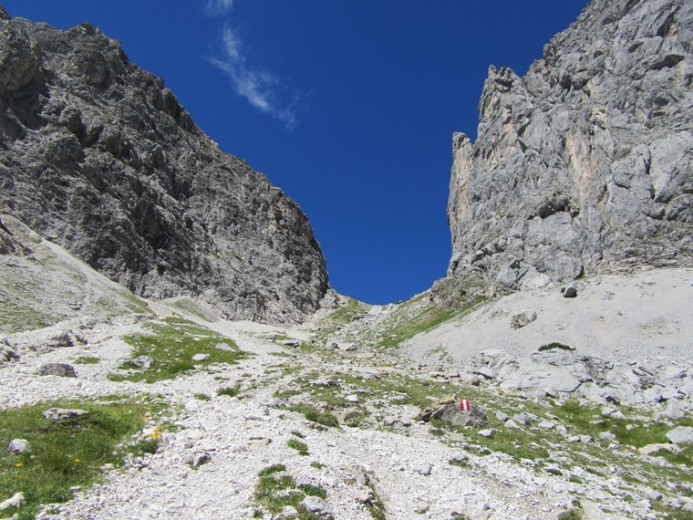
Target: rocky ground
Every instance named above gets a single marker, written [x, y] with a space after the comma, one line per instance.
[580, 397]
[535, 458]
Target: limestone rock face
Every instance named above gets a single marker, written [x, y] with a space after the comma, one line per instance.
[586, 163]
[98, 156]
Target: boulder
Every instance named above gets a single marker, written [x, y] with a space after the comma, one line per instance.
[522, 319]
[569, 291]
[680, 435]
[142, 362]
[19, 446]
[57, 369]
[17, 501]
[61, 414]
[449, 410]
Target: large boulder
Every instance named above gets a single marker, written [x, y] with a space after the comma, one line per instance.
[450, 409]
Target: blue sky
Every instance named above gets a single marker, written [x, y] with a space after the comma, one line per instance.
[347, 105]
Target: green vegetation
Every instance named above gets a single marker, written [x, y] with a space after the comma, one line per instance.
[64, 453]
[316, 416]
[277, 489]
[300, 447]
[191, 308]
[375, 506]
[171, 344]
[573, 514]
[229, 391]
[428, 318]
[202, 397]
[555, 346]
[87, 360]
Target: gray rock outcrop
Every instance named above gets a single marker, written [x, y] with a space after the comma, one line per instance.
[98, 156]
[585, 163]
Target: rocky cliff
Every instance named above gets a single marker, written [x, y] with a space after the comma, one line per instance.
[585, 163]
[98, 156]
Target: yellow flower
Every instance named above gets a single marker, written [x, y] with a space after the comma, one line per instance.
[76, 461]
[19, 465]
[154, 434]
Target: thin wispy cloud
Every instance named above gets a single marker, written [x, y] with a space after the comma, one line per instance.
[262, 89]
[215, 7]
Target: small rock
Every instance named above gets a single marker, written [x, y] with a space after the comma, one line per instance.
[365, 497]
[352, 398]
[19, 446]
[485, 373]
[607, 436]
[486, 433]
[351, 347]
[224, 347]
[502, 417]
[510, 424]
[258, 442]
[142, 362]
[608, 411]
[460, 458]
[680, 435]
[7, 354]
[422, 508]
[291, 343]
[198, 459]
[569, 291]
[521, 418]
[17, 501]
[390, 421]
[547, 425]
[288, 513]
[60, 414]
[423, 469]
[316, 505]
[653, 495]
[522, 319]
[201, 357]
[57, 369]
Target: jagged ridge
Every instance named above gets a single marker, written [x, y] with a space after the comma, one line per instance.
[98, 156]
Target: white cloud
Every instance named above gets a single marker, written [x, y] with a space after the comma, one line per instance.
[219, 6]
[260, 88]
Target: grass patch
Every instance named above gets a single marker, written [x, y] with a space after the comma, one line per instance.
[316, 416]
[313, 491]
[193, 309]
[87, 360]
[172, 343]
[276, 489]
[300, 447]
[64, 453]
[229, 391]
[202, 397]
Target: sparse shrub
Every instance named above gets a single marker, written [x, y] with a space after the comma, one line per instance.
[555, 345]
[314, 491]
[573, 514]
[300, 447]
[230, 391]
[87, 360]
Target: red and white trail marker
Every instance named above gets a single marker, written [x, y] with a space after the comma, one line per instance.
[465, 405]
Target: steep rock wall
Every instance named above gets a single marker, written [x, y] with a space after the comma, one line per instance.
[586, 163]
[98, 156]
